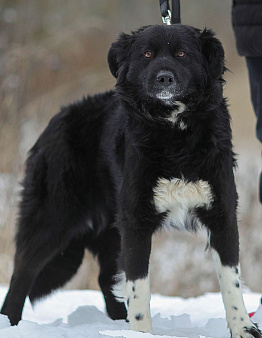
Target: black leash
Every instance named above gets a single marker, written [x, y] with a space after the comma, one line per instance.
[167, 17]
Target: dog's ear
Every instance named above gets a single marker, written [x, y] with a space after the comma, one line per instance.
[119, 52]
[214, 53]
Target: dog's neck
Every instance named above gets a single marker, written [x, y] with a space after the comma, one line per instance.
[166, 120]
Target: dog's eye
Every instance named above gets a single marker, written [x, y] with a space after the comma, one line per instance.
[181, 54]
[148, 54]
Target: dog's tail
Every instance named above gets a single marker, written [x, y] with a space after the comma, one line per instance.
[59, 270]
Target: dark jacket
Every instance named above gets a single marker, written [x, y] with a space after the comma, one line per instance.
[247, 24]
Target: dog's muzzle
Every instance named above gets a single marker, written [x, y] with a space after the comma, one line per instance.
[164, 86]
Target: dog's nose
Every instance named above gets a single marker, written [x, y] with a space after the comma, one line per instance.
[165, 78]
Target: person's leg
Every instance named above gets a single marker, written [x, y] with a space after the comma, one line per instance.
[254, 66]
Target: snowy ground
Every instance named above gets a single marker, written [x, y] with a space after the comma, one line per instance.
[76, 314]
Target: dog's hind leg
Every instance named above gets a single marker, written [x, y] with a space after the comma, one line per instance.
[107, 248]
[59, 270]
[14, 302]
[33, 252]
[224, 249]
[25, 271]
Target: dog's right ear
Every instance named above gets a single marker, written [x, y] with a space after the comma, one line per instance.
[119, 52]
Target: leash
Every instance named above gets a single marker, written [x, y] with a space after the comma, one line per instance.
[167, 17]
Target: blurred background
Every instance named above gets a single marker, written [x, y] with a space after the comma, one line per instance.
[54, 52]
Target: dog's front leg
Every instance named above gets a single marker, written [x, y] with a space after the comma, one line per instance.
[136, 248]
[224, 249]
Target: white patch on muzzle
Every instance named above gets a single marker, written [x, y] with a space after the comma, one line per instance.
[164, 95]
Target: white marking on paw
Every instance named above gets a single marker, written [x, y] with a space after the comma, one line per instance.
[230, 285]
[119, 290]
[138, 297]
[177, 198]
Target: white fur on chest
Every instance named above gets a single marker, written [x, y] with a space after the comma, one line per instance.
[179, 199]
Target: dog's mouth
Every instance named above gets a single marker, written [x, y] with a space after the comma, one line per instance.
[165, 95]
[168, 97]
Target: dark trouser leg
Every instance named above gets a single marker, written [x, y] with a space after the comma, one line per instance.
[136, 248]
[255, 77]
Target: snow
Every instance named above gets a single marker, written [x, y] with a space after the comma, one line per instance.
[78, 313]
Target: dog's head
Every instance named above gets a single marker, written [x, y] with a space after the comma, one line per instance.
[169, 66]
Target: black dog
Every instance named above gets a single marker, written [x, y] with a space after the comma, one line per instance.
[111, 170]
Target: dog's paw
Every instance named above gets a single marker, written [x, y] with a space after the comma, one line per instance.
[141, 328]
[248, 332]
[116, 310]
[252, 331]
[141, 323]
